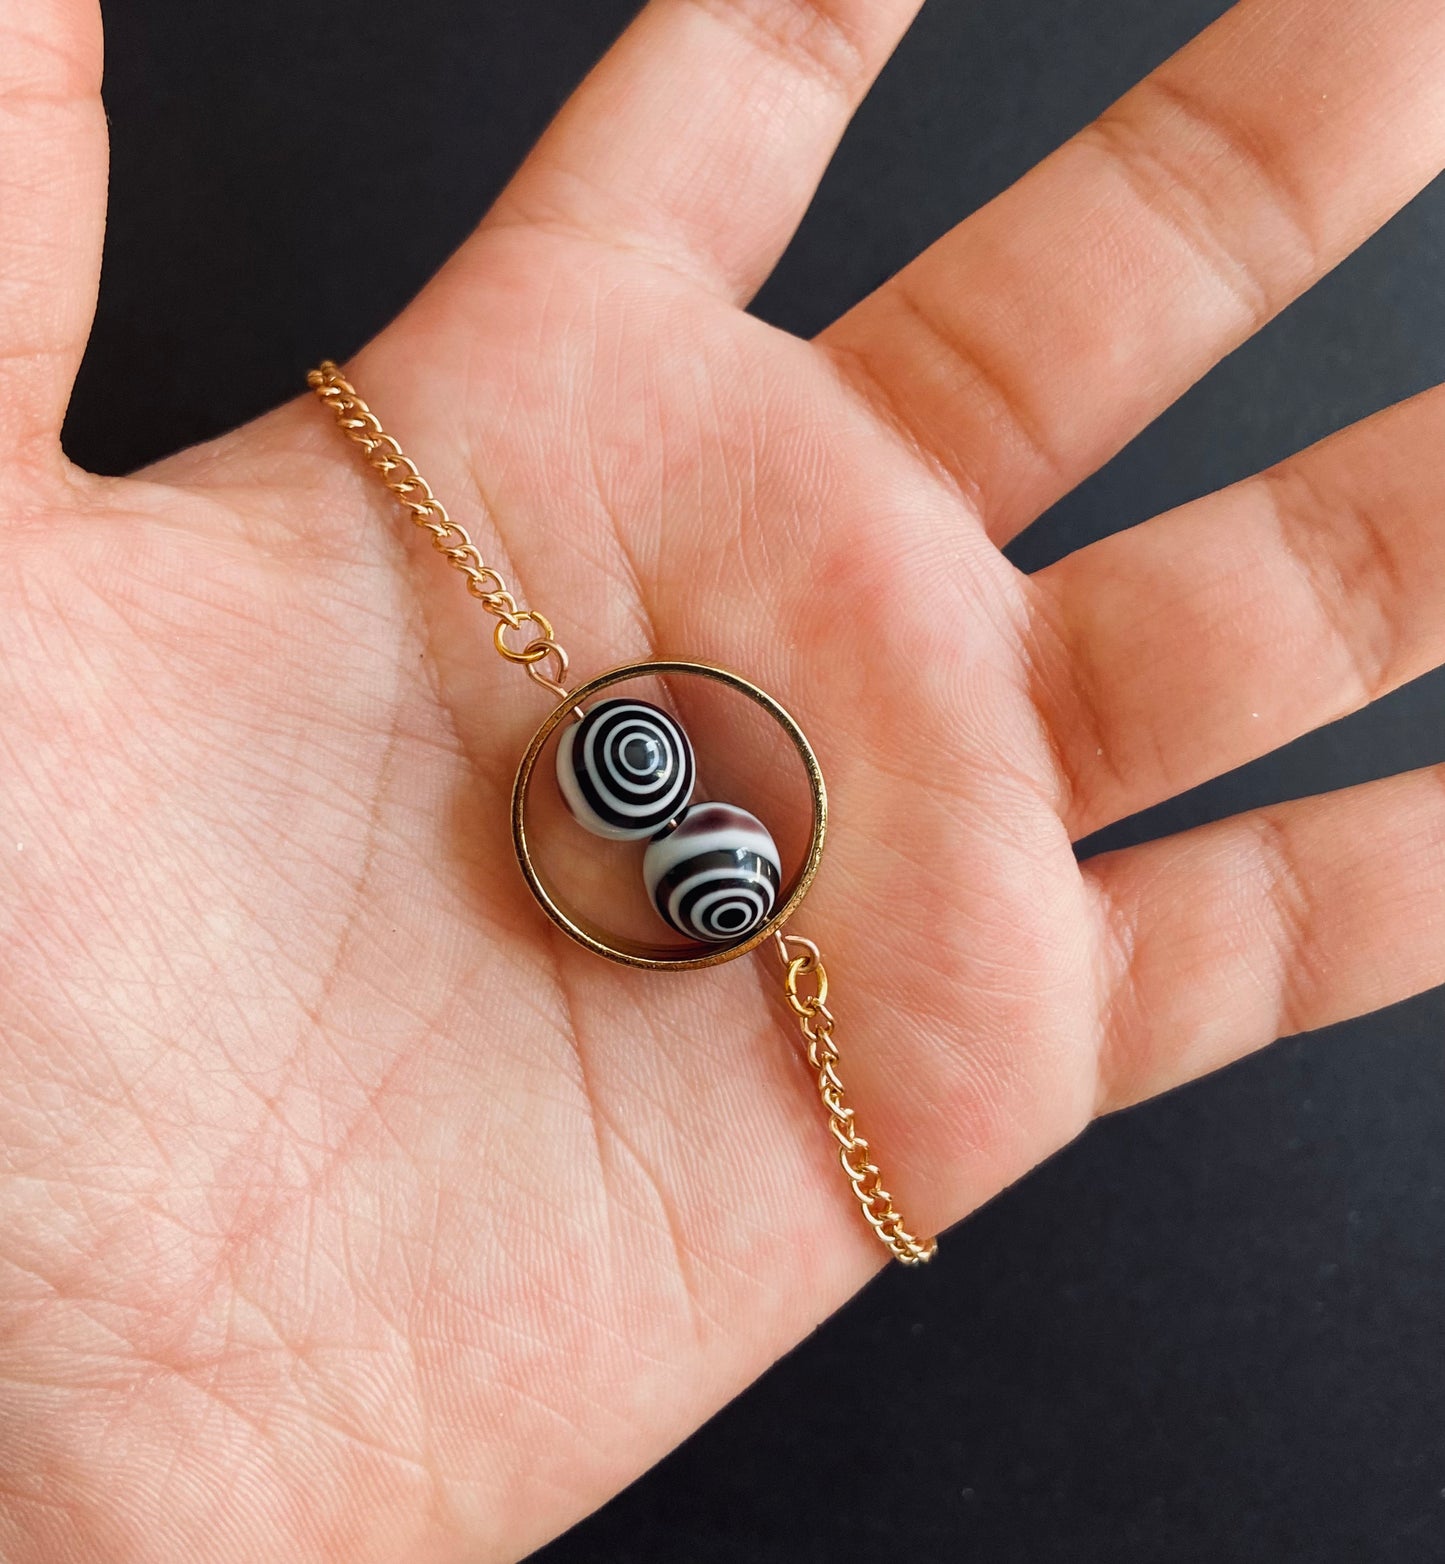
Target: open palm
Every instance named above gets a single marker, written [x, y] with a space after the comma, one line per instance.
[346, 1210]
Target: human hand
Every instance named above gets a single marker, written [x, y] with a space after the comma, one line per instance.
[349, 1213]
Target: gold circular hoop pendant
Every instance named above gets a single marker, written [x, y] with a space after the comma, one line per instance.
[637, 953]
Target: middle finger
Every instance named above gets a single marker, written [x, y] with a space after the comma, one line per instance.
[1027, 346]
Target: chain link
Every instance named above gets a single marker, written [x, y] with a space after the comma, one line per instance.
[544, 660]
[816, 1022]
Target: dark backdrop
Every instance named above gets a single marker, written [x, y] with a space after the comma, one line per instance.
[1213, 1328]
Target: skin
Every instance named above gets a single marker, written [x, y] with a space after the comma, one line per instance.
[349, 1213]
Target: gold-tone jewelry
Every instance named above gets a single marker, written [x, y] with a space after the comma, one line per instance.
[543, 658]
[816, 1023]
[637, 953]
[524, 636]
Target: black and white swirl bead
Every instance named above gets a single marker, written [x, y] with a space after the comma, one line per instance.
[625, 770]
[715, 877]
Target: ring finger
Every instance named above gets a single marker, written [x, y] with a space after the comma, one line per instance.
[1179, 649]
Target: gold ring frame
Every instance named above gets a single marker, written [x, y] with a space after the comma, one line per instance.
[636, 953]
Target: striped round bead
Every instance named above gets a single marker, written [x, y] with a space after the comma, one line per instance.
[626, 770]
[715, 876]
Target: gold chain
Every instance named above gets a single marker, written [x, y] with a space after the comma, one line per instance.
[542, 657]
[546, 662]
[816, 1023]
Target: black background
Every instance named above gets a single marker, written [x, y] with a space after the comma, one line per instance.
[1213, 1328]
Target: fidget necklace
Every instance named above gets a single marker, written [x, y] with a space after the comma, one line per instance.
[626, 772]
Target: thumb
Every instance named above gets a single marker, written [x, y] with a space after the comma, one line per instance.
[53, 158]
